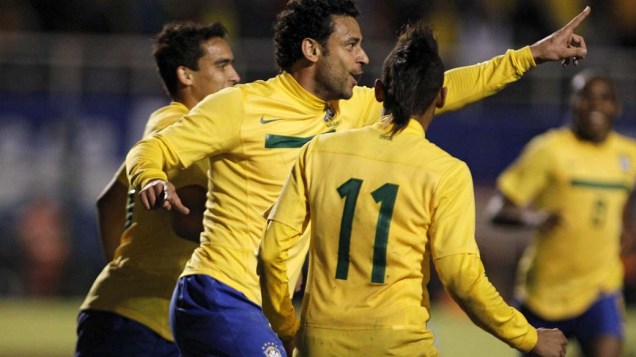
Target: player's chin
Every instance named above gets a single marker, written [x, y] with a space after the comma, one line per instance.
[347, 92]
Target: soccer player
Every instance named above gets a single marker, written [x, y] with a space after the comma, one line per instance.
[390, 203]
[126, 310]
[252, 133]
[572, 184]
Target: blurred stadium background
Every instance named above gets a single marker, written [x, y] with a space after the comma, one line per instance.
[77, 84]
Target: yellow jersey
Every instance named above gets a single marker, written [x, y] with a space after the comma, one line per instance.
[562, 272]
[251, 134]
[379, 209]
[138, 283]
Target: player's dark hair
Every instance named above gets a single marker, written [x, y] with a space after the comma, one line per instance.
[306, 19]
[179, 44]
[413, 74]
[581, 81]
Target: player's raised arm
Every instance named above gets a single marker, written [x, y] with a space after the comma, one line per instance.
[562, 45]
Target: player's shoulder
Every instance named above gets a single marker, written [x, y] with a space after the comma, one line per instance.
[361, 95]
[276, 85]
[229, 98]
[258, 87]
[441, 158]
[363, 91]
[549, 139]
[332, 139]
[554, 135]
[624, 140]
[165, 116]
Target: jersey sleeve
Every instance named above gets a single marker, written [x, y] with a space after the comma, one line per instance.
[464, 278]
[524, 179]
[288, 220]
[456, 259]
[471, 83]
[452, 229]
[274, 255]
[211, 127]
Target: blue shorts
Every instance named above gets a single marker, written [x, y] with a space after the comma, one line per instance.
[605, 317]
[102, 334]
[209, 318]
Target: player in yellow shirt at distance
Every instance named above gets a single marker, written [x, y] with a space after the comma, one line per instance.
[252, 133]
[573, 185]
[381, 203]
[126, 310]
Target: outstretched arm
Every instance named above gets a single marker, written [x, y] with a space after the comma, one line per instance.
[504, 212]
[469, 84]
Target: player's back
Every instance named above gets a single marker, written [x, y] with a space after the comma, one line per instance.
[373, 199]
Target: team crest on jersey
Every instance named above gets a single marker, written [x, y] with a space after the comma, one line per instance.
[625, 162]
[332, 123]
[270, 350]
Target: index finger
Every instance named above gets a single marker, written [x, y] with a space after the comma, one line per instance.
[578, 19]
[180, 207]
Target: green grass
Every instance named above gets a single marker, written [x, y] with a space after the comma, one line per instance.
[37, 328]
[46, 328]
[457, 336]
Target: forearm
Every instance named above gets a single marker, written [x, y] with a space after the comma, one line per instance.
[277, 303]
[148, 160]
[464, 278]
[111, 213]
[111, 226]
[471, 83]
[519, 217]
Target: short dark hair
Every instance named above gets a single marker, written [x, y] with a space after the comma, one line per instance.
[179, 44]
[412, 74]
[581, 80]
[306, 19]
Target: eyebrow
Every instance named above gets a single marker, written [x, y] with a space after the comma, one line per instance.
[353, 39]
[221, 61]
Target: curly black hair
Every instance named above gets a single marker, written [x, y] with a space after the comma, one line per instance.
[306, 19]
[413, 74]
[179, 44]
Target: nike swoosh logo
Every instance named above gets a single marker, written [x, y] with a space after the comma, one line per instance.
[267, 121]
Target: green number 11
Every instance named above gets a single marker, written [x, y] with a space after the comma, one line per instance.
[385, 195]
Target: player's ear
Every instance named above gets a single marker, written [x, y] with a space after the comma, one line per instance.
[441, 97]
[184, 74]
[379, 90]
[311, 49]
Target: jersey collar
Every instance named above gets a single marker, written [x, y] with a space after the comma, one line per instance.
[295, 90]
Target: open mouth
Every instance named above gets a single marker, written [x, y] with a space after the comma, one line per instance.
[596, 118]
